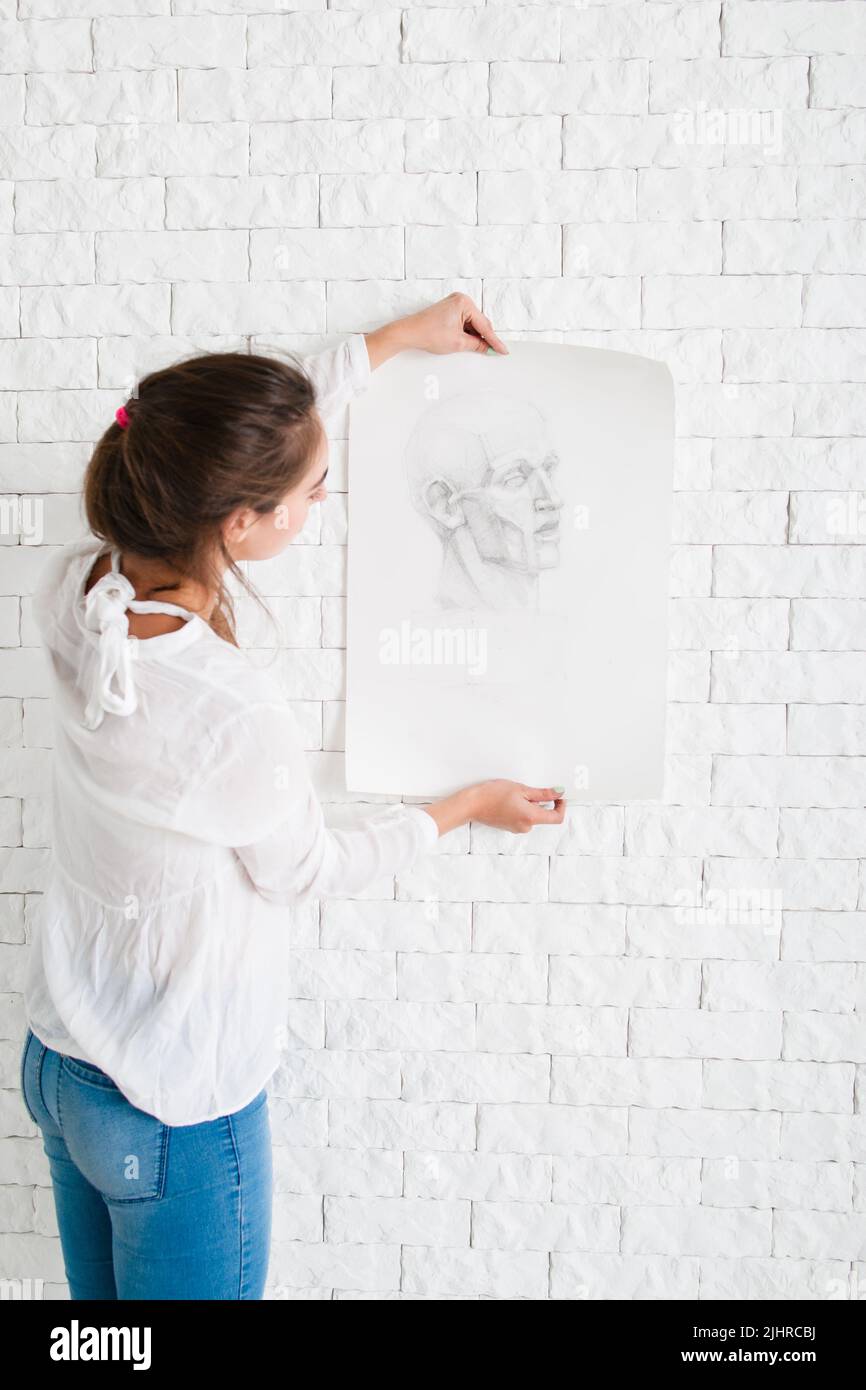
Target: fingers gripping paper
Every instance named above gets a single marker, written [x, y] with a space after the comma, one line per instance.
[509, 533]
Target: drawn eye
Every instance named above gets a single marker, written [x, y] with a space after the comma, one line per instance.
[513, 480]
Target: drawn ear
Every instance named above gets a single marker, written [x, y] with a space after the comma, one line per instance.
[441, 502]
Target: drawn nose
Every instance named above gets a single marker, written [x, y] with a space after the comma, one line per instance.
[547, 498]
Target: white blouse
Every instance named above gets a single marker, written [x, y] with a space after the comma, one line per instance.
[185, 829]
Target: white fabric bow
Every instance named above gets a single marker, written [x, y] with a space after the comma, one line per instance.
[105, 613]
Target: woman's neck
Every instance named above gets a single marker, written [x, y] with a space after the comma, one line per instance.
[152, 579]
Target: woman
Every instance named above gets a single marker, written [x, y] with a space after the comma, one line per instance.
[185, 823]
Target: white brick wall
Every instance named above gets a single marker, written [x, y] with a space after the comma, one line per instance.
[624, 1059]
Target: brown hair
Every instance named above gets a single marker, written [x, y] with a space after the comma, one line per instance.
[206, 435]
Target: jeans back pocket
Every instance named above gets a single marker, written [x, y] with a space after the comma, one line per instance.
[28, 1073]
[122, 1151]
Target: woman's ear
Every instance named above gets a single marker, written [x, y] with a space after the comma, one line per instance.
[238, 524]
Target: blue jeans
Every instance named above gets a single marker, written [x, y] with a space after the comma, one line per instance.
[149, 1210]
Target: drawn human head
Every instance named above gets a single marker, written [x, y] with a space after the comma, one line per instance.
[482, 463]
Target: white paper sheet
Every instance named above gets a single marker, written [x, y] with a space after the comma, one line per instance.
[509, 538]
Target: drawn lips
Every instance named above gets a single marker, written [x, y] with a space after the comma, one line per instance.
[548, 529]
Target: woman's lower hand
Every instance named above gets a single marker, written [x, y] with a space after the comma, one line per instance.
[452, 324]
[502, 804]
[514, 806]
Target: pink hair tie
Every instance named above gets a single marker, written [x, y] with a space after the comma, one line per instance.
[122, 417]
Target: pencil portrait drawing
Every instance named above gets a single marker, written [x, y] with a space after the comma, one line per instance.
[480, 468]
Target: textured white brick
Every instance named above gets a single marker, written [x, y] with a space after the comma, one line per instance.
[563, 929]
[696, 1231]
[584, 302]
[630, 142]
[838, 625]
[801, 137]
[832, 192]
[544, 1226]
[811, 572]
[509, 250]
[496, 32]
[802, 355]
[733, 625]
[607, 195]
[260, 308]
[784, 463]
[410, 90]
[840, 1137]
[837, 80]
[705, 1133]
[241, 202]
[787, 781]
[793, 26]
[641, 31]
[835, 301]
[485, 1274]
[369, 200]
[57, 258]
[61, 45]
[66, 365]
[822, 936]
[715, 194]
[537, 88]
[477, 1176]
[157, 42]
[484, 142]
[626, 1081]
[136, 150]
[763, 248]
[567, 1129]
[175, 256]
[264, 94]
[772, 1279]
[778, 1086]
[701, 728]
[629, 248]
[327, 147]
[725, 301]
[64, 313]
[740, 985]
[601, 1277]
[718, 518]
[710, 830]
[321, 253]
[827, 729]
[702, 1033]
[820, 1235]
[713, 83]
[782, 1185]
[101, 98]
[335, 37]
[88, 205]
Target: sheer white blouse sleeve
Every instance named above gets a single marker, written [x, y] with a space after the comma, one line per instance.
[253, 793]
[339, 373]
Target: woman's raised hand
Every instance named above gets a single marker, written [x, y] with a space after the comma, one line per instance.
[452, 324]
[455, 324]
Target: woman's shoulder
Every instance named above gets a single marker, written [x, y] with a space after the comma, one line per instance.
[60, 574]
[232, 692]
[61, 565]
